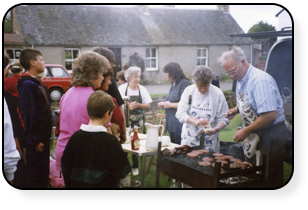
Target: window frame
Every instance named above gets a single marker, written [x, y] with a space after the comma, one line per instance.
[72, 59]
[203, 57]
[14, 49]
[150, 58]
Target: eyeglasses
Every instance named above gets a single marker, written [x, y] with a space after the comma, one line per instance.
[232, 71]
[203, 87]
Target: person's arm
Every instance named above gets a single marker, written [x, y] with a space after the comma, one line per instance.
[169, 105]
[29, 114]
[123, 130]
[144, 106]
[114, 92]
[262, 121]
[10, 153]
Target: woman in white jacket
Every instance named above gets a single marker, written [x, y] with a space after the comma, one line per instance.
[205, 115]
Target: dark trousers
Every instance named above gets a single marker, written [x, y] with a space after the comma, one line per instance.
[272, 144]
[175, 136]
[20, 175]
[37, 167]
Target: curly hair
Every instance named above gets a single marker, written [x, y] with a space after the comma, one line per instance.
[87, 67]
[175, 71]
[131, 71]
[202, 74]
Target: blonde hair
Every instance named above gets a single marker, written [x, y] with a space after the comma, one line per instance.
[115, 129]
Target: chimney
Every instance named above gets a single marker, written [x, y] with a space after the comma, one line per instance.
[224, 8]
[143, 9]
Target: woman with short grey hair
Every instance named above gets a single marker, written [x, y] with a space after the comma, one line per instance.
[139, 100]
[131, 71]
[204, 113]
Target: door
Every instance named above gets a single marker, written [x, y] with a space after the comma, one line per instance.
[117, 66]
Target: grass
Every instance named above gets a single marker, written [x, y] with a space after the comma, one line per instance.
[225, 135]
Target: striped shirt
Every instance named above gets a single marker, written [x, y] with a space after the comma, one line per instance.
[263, 94]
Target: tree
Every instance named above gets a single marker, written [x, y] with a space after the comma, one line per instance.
[7, 23]
[263, 27]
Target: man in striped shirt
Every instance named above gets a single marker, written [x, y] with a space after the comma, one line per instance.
[261, 108]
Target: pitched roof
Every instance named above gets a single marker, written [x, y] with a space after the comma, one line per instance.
[114, 26]
[12, 38]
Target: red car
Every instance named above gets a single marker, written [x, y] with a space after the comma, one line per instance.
[57, 80]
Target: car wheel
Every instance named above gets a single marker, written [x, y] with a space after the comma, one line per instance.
[55, 94]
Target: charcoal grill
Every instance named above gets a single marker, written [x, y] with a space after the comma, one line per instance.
[188, 171]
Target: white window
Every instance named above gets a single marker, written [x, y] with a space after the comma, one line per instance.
[202, 56]
[151, 59]
[13, 54]
[70, 55]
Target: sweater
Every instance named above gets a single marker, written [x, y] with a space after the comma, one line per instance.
[10, 153]
[93, 158]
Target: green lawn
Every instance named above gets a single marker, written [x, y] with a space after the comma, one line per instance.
[225, 135]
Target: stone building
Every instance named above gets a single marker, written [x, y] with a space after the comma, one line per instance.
[158, 35]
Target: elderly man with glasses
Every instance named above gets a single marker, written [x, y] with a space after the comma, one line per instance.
[261, 109]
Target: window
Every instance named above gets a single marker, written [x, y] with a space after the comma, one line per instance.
[202, 56]
[56, 72]
[151, 59]
[13, 54]
[70, 55]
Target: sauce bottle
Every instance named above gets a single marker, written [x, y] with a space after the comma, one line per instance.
[135, 141]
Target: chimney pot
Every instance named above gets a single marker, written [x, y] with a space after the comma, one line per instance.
[224, 8]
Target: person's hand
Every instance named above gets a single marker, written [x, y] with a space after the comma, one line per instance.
[200, 121]
[231, 113]
[213, 131]
[240, 135]
[161, 105]
[40, 147]
[133, 105]
[6, 70]
[167, 104]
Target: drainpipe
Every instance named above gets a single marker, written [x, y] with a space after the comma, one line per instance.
[250, 53]
[32, 46]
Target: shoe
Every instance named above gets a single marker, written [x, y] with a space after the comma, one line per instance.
[135, 171]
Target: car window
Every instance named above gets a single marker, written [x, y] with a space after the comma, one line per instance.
[56, 72]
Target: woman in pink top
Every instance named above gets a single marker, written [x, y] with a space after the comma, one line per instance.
[88, 70]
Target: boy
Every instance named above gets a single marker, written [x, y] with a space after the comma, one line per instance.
[34, 109]
[92, 157]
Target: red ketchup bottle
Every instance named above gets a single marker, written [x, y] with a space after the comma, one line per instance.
[135, 141]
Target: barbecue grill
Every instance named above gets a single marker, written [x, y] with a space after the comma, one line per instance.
[188, 171]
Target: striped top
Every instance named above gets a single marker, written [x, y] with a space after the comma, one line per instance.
[263, 94]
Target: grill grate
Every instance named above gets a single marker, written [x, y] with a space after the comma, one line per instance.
[226, 148]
